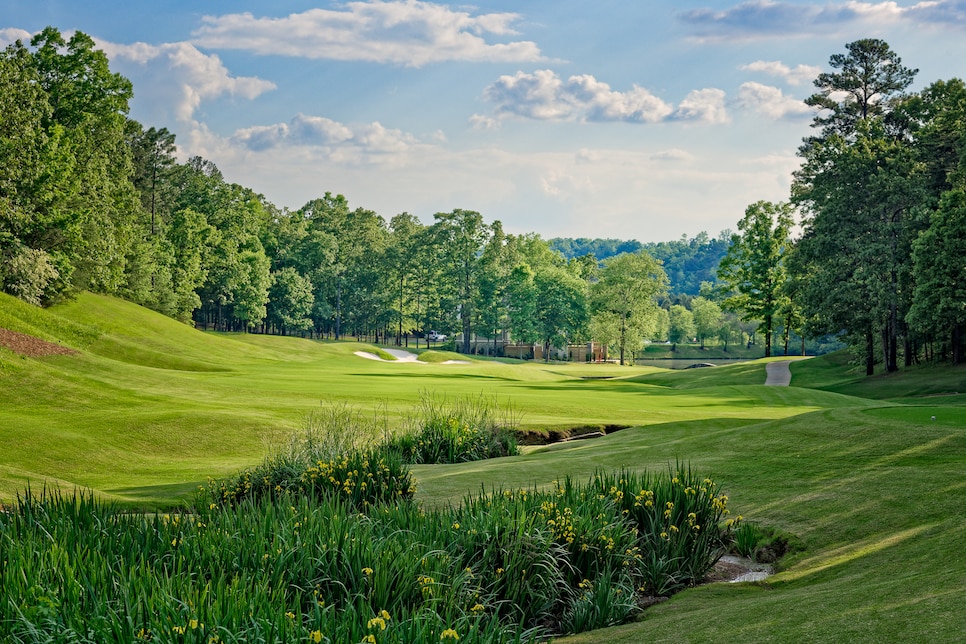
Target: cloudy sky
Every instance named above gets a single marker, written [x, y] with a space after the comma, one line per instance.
[644, 119]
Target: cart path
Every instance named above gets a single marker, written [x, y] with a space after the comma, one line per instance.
[778, 374]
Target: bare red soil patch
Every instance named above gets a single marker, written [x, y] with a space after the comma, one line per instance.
[31, 347]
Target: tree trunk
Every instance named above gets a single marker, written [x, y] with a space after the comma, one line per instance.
[767, 336]
[869, 353]
[338, 308]
[623, 336]
[957, 345]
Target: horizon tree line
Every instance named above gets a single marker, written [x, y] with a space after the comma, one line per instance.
[90, 199]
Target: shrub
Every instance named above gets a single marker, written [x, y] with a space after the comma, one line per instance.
[314, 563]
[763, 544]
[463, 430]
[326, 460]
[679, 519]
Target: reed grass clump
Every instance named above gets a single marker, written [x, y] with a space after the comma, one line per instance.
[456, 431]
[335, 454]
[324, 543]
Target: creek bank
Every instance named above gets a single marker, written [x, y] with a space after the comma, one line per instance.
[565, 434]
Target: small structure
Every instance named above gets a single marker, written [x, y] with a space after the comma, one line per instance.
[587, 352]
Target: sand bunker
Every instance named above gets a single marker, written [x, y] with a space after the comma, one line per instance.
[402, 355]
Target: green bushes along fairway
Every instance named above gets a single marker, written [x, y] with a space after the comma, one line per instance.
[317, 564]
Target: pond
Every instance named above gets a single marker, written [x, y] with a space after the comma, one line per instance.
[684, 364]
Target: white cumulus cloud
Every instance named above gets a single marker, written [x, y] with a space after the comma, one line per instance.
[600, 103]
[404, 32]
[703, 106]
[801, 74]
[539, 95]
[173, 79]
[771, 102]
[543, 95]
[359, 142]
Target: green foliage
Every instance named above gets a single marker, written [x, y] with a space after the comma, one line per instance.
[68, 213]
[869, 77]
[626, 295]
[290, 301]
[466, 429]
[687, 262]
[763, 544]
[560, 306]
[748, 536]
[754, 266]
[939, 256]
[505, 567]
[357, 478]
[707, 318]
[678, 518]
[680, 324]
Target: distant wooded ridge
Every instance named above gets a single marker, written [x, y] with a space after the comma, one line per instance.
[687, 261]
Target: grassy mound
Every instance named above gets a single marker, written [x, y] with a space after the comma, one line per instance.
[433, 356]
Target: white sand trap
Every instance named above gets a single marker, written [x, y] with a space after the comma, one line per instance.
[401, 356]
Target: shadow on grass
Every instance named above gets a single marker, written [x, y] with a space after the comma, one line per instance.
[438, 376]
[147, 496]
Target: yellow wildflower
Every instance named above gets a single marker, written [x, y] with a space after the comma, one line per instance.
[449, 633]
[377, 621]
[315, 636]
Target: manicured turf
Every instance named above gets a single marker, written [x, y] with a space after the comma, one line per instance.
[151, 407]
[857, 469]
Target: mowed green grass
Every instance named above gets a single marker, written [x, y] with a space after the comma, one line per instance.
[858, 469]
[151, 407]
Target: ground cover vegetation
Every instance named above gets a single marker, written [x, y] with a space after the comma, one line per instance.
[854, 468]
[510, 565]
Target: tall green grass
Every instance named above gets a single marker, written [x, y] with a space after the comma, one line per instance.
[455, 431]
[300, 566]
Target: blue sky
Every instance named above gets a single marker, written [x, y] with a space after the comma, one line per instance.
[643, 119]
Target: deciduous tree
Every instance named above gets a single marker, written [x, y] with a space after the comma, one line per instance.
[754, 266]
[626, 291]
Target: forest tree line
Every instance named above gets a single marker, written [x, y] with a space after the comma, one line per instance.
[90, 199]
[881, 201]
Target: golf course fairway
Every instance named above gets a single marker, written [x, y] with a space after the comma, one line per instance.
[866, 474]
